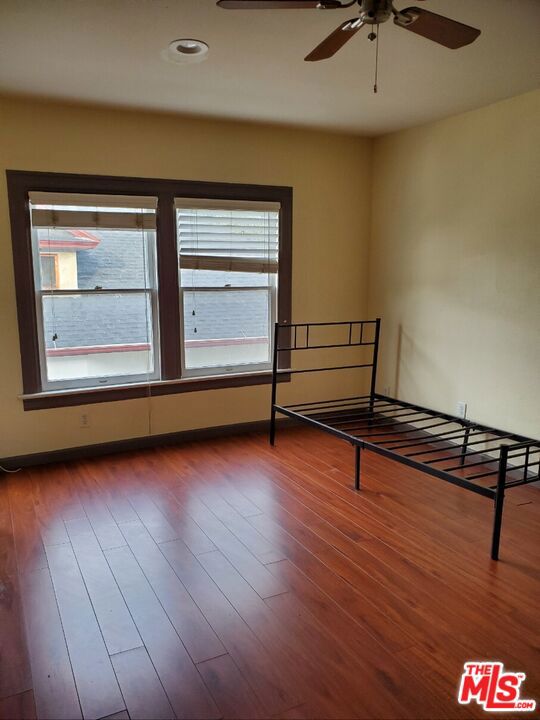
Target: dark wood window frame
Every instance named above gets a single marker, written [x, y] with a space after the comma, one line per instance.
[20, 183]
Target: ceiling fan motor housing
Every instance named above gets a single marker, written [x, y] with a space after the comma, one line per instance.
[374, 12]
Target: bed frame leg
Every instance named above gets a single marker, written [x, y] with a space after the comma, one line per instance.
[272, 427]
[497, 522]
[465, 445]
[371, 405]
[357, 467]
[272, 437]
[499, 503]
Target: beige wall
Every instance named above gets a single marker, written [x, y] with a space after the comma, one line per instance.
[455, 263]
[330, 174]
[454, 259]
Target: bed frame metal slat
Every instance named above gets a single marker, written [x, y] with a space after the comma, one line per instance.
[376, 422]
[468, 454]
[516, 467]
[369, 419]
[431, 439]
[410, 431]
[478, 430]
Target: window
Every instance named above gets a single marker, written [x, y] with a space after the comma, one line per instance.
[49, 270]
[228, 257]
[131, 285]
[96, 296]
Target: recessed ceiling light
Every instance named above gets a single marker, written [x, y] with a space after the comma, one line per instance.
[185, 50]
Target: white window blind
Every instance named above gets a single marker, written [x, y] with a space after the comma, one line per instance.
[231, 236]
[105, 212]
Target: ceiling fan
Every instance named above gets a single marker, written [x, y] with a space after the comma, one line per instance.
[440, 29]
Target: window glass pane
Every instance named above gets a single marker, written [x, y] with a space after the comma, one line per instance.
[218, 278]
[226, 328]
[103, 258]
[98, 336]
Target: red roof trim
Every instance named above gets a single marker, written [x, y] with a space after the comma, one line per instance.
[83, 240]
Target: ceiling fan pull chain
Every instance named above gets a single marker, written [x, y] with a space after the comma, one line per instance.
[376, 61]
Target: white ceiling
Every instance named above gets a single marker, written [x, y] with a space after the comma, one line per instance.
[108, 52]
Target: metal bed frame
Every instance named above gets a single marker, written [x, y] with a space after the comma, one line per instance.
[395, 428]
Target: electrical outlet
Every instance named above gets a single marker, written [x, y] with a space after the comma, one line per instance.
[386, 390]
[84, 420]
[461, 409]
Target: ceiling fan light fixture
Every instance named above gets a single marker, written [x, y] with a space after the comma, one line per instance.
[185, 50]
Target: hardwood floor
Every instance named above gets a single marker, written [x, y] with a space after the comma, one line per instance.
[227, 579]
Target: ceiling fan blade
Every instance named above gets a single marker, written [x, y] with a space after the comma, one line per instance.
[440, 29]
[335, 41]
[277, 4]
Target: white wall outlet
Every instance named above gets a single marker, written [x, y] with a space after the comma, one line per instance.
[84, 420]
[386, 390]
[461, 409]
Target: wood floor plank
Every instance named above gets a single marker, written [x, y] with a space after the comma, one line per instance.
[153, 519]
[26, 531]
[112, 478]
[362, 609]
[233, 695]
[14, 663]
[142, 690]
[97, 687]
[289, 650]
[222, 480]
[329, 611]
[256, 664]
[97, 512]
[52, 676]
[67, 500]
[369, 663]
[294, 637]
[15, 674]
[184, 526]
[178, 675]
[47, 506]
[18, 707]
[231, 494]
[256, 543]
[115, 622]
[380, 596]
[300, 712]
[243, 560]
[200, 640]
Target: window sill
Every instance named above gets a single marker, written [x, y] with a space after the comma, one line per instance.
[112, 393]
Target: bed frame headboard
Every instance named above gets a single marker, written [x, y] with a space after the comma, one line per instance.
[287, 340]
